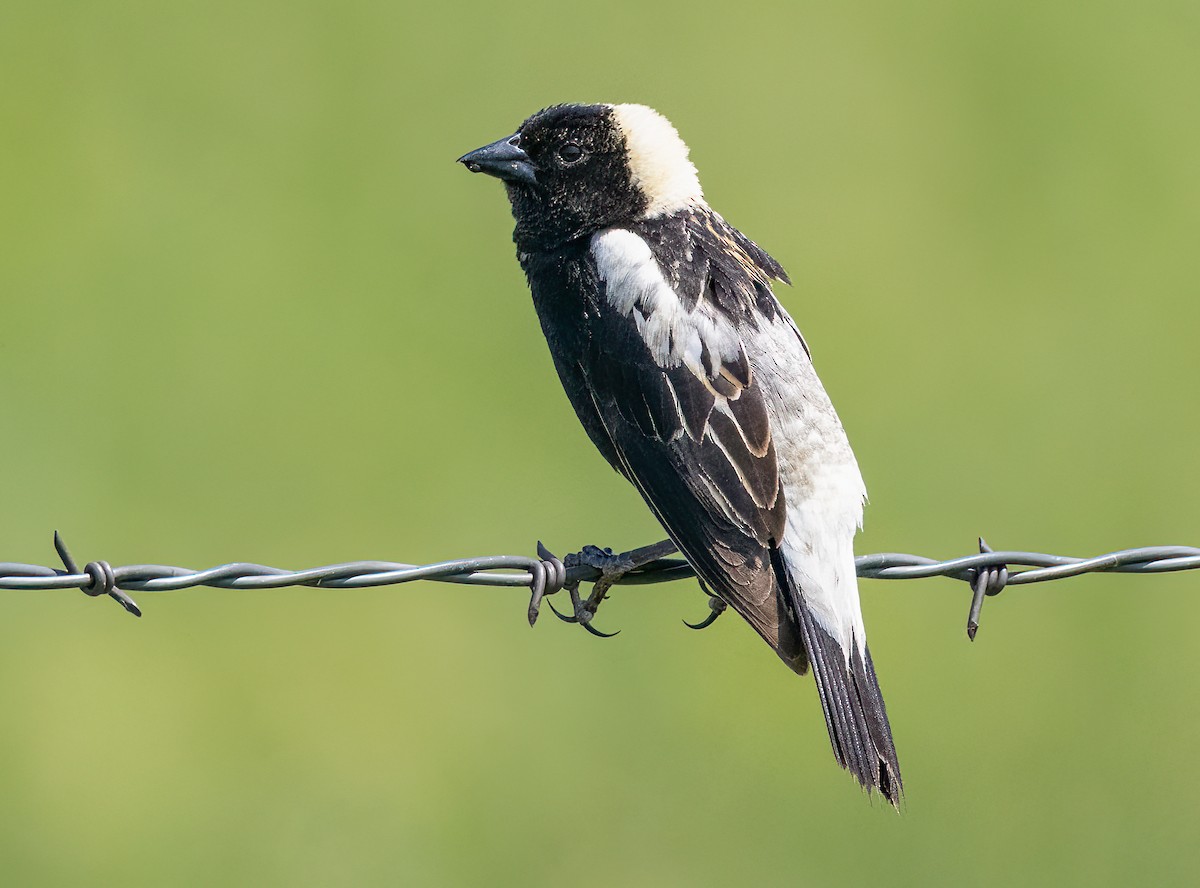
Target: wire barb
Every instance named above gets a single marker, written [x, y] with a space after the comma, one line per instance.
[101, 578]
[546, 575]
[989, 580]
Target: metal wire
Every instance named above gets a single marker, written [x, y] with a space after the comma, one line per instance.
[989, 572]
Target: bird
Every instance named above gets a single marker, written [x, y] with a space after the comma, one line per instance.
[696, 385]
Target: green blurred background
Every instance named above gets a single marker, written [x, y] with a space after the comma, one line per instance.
[252, 310]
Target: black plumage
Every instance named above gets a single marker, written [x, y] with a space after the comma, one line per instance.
[694, 384]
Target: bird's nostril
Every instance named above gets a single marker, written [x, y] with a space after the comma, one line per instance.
[515, 141]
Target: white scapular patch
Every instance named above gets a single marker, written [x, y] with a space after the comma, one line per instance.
[820, 477]
[658, 160]
[634, 284]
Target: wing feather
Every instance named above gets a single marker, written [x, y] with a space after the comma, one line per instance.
[673, 387]
[649, 327]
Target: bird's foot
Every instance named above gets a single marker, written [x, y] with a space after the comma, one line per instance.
[716, 607]
[603, 569]
[612, 568]
[582, 612]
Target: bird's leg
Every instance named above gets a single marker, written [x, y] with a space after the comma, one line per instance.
[582, 613]
[607, 569]
[611, 568]
[716, 607]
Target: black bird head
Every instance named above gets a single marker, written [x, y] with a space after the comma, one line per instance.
[571, 170]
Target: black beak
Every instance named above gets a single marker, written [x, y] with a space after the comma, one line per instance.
[503, 159]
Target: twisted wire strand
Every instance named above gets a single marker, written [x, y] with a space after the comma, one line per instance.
[519, 570]
[988, 573]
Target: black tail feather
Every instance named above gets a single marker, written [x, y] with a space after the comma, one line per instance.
[854, 710]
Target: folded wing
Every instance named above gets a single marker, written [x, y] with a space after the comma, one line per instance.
[670, 378]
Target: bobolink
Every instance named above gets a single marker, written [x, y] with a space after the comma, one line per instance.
[696, 385]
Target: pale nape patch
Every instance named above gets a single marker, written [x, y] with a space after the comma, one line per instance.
[658, 160]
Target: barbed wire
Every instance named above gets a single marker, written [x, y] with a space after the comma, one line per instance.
[988, 572]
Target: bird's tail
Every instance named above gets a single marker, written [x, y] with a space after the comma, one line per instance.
[854, 710]
[850, 697]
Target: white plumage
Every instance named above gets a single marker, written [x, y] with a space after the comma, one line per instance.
[817, 469]
[658, 160]
[695, 384]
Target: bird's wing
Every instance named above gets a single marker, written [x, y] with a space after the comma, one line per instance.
[717, 440]
[671, 381]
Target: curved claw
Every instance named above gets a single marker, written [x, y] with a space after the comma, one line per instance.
[586, 624]
[716, 607]
[705, 623]
[596, 632]
[562, 617]
[583, 612]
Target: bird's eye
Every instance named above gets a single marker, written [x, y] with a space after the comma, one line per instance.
[570, 153]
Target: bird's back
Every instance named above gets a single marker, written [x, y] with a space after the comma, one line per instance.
[696, 384]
